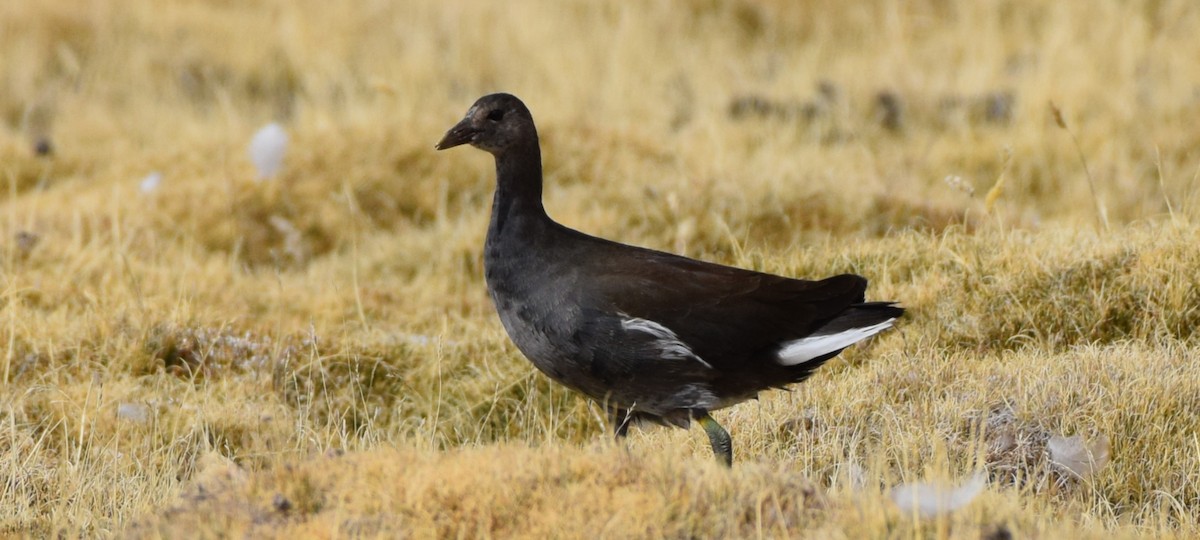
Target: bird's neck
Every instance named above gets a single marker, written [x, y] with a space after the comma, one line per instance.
[518, 199]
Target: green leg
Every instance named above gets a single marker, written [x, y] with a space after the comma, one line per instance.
[722, 445]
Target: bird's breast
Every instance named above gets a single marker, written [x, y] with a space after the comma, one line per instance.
[539, 322]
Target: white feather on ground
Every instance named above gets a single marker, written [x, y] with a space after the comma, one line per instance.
[150, 183]
[267, 149]
[933, 499]
[133, 412]
[1076, 456]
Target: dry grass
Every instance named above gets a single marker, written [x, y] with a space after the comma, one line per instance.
[317, 355]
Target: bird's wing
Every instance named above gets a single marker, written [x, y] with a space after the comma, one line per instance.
[722, 313]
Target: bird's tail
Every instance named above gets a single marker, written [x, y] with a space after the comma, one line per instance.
[857, 323]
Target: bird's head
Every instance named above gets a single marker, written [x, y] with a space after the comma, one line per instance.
[496, 123]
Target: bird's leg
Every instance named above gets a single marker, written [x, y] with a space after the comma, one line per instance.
[621, 430]
[620, 419]
[621, 422]
[722, 445]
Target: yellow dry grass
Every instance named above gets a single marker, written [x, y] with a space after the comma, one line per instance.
[316, 354]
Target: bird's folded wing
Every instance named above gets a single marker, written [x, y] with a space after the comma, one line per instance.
[718, 311]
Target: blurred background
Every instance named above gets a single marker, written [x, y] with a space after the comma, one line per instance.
[806, 114]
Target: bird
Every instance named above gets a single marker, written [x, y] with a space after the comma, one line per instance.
[652, 336]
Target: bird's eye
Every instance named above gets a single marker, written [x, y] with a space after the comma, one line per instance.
[496, 115]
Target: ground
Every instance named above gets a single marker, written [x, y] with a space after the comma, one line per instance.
[215, 354]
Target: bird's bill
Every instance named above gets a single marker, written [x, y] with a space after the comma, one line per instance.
[460, 134]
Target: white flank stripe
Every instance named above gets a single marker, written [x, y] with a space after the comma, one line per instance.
[805, 349]
[667, 342]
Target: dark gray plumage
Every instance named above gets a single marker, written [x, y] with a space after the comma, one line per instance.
[651, 335]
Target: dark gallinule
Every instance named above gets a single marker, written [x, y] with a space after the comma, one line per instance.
[651, 335]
